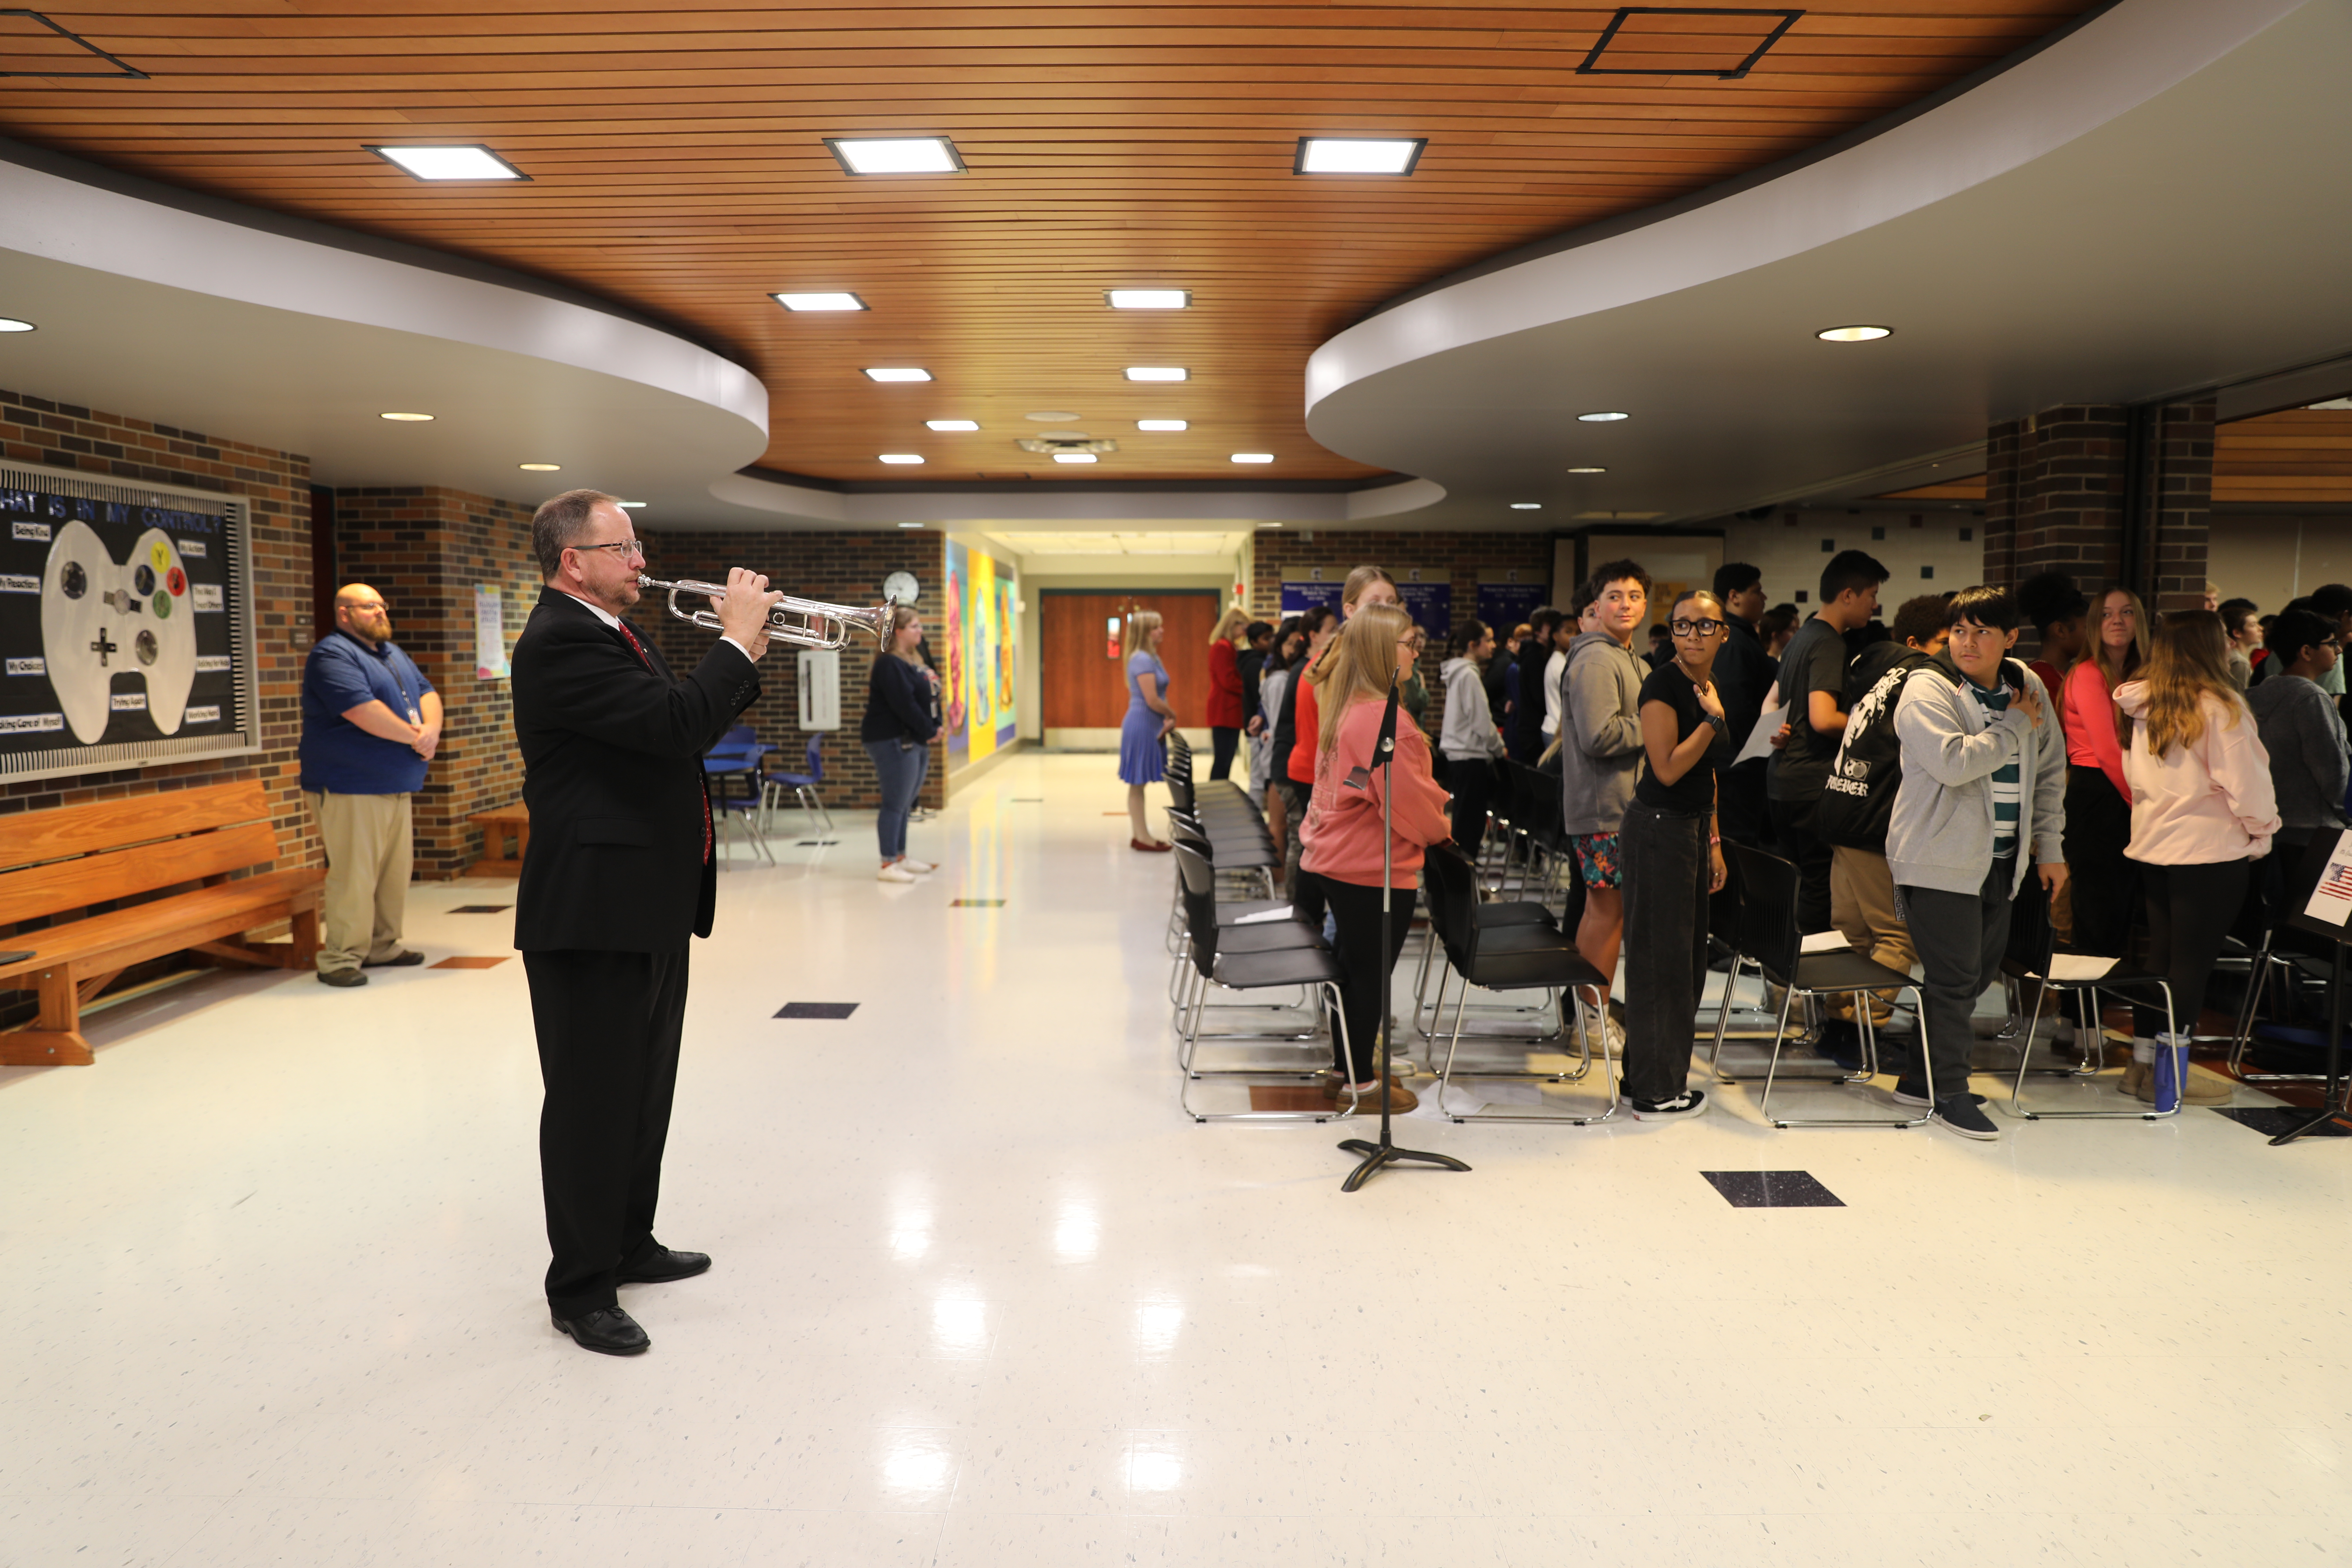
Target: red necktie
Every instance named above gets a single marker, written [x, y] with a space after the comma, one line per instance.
[639, 649]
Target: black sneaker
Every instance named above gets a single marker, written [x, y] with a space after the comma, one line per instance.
[1957, 1113]
[1909, 1093]
[1689, 1102]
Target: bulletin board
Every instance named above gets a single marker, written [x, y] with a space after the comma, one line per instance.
[126, 626]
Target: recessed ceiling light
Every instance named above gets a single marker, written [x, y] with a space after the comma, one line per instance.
[11, 324]
[910, 525]
[902, 456]
[1588, 471]
[1603, 417]
[1356, 155]
[819, 301]
[541, 468]
[1269, 525]
[1158, 372]
[1526, 506]
[1854, 334]
[895, 154]
[951, 423]
[1051, 417]
[1074, 457]
[897, 372]
[1148, 298]
[408, 418]
[450, 163]
[631, 505]
[1163, 424]
[1253, 456]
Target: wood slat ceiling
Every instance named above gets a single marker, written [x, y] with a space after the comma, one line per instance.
[675, 165]
[2302, 456]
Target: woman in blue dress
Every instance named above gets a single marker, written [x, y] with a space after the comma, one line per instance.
[1148, 720]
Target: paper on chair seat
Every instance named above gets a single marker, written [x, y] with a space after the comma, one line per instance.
[1282, 913]
[2079, 966]
[1825, 941]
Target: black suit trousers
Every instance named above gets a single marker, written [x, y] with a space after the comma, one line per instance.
[608, 1041]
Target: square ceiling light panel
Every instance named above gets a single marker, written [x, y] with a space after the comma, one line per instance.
[1163, 424]
[952, 424]
[1149, 298]
[895, 154]
[1356, 155]
[820, 301]
[897, 372]
[449, 163]
[1158, 372]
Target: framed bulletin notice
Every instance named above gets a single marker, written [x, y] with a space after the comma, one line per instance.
[126, 624]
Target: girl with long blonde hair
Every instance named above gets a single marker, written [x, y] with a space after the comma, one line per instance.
[1365, 586]
[1225, 690]
[1342, 836]
[2104, 880]
[1144, 733]
[902, 718]
[2202, 810]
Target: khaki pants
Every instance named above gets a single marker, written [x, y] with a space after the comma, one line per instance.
[368, 849]
[1862, 907]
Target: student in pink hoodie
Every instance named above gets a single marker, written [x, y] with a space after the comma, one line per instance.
[1341, 834]
[2202, 812]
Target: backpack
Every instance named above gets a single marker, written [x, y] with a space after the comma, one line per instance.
[1858, 803]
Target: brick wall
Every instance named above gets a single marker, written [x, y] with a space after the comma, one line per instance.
[835, 568]
[423, 548]
[2056, 490]
[1465, 560]
[38, 433]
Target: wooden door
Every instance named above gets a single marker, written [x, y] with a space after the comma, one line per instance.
[1082, 679]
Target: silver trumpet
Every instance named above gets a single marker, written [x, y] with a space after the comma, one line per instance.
[803, 622]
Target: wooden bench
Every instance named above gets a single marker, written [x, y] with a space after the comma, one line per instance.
[70, 858]
[498, 824]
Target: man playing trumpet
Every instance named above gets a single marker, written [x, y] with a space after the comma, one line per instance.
[619, 874]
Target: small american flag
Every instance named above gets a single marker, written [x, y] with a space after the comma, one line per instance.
[2338, 884]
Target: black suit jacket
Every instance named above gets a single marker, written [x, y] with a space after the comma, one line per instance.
[612, 756]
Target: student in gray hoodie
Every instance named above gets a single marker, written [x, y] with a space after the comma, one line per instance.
[1472, 746]
[1601, 756]
[1984, 788]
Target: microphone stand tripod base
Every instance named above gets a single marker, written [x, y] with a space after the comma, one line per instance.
[1379, 1154]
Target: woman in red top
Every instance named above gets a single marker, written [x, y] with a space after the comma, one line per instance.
[1225, 691]
[1343, 838]
[2098, 801]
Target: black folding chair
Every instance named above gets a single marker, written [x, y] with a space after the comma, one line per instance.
[1770, 938]
[1505, 952]
[2031, 957]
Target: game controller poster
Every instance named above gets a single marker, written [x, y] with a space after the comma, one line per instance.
[117, 626]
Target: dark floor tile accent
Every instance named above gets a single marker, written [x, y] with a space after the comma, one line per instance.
[975, 904]
[1025, 800]
[2270, 1120]
[469, 963]
[815, 843]
[1772, 1190]
[481, 909]
[817, 1010]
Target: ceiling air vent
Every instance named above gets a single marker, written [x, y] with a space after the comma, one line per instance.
[1685, 40]
[1052, 443]
[32, 45]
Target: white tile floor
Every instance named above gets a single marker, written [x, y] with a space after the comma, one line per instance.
[983, 1298]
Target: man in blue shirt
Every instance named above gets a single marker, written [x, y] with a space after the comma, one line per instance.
[370, 723]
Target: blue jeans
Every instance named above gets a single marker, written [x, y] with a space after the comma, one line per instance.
[901, 773]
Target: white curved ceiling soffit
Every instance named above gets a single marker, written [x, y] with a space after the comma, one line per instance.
[2152, 202]
[164, 313]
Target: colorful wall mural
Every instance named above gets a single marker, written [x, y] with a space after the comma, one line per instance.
[982, 654]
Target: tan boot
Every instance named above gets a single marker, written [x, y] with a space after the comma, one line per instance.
[2200, 1088]
[2137, 1074]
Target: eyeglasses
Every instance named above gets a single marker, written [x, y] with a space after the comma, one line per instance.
[1686, 629]
[624, 548]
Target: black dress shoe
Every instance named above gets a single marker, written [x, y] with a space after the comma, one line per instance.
[400, 960]
[607, 1330]
[663, 1267]
[342, 977]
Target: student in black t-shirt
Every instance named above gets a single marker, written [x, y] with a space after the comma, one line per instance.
[1673, 854]
[1813, 687]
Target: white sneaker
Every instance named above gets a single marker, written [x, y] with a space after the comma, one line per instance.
[920, 867]
[1605, 1033]
[894, 872]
